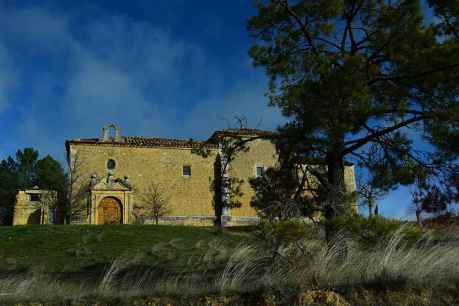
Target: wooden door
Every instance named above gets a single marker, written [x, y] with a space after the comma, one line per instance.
[110, 211]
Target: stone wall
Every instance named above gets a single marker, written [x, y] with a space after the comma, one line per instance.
[187, 195]
[262, 153]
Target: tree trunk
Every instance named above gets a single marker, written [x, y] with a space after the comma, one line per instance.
[370, 209]
[218, 192]
[156, 220]
[334, 202]
[335, 206]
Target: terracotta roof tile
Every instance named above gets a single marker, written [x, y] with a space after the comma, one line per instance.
[167, 142]
[137, 141]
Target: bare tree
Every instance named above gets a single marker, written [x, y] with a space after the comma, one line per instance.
[369, 195]
[76, 191]
[153, 203]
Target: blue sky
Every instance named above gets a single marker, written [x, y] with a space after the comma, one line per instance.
[171, 68]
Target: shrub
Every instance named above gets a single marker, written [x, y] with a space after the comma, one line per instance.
[370, 231]
[442, 221]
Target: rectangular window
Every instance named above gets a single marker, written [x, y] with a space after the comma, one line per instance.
[35, 197]
[186, 170]
[260, 171]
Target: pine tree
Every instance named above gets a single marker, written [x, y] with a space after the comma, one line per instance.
[361, 78]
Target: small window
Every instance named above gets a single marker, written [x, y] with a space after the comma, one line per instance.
[35, 197]
[260, 171]
[111, 164]
[186, 170]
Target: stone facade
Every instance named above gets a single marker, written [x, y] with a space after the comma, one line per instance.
[33, 207]
[122, 168]
[261, 153]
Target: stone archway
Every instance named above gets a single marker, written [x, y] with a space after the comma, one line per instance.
[35, 217]
[110, 211]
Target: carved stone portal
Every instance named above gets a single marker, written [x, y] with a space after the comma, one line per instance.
[110, 201]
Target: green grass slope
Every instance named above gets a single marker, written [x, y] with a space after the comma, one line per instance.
[91, 248]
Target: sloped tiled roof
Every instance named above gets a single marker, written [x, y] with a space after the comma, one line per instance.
[138, 141]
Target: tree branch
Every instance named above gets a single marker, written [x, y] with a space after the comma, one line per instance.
[356, 144]
[302, 26]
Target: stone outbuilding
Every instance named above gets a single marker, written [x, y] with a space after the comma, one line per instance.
[35, 206]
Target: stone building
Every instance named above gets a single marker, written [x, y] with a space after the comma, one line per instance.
[109, 174]
[35, 206]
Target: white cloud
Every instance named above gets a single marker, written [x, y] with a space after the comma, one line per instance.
[99, 92]
[115, 69]
[125, 73]
[137, 48]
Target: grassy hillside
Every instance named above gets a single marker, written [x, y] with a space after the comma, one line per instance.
[91, 248]
[120, 263]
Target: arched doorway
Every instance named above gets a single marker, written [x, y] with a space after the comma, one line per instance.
[110, 211]
[35, 217]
